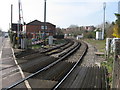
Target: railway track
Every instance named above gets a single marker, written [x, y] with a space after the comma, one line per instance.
[28, 55]
[54, 72]
[76, 59]
[62, 71]
[24, 69]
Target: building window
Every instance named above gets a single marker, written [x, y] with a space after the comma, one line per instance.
[42, 27]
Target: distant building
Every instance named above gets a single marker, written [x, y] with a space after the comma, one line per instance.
[79, 36]
[37, 27]
[89, 28]
[119, 7]
[98, 35]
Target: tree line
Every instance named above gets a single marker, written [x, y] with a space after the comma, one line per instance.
[112, 29]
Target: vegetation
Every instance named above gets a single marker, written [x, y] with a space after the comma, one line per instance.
[90, 34]
[0, 32]
[109, 65]
[116, 29]
[59, 41]
[99, 44]
[109, 31]
[59, 31]
[55, 42]
[36, 46]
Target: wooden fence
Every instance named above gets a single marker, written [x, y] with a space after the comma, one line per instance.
[116, 66]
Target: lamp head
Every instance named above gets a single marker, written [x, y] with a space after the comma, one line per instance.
[104, 5]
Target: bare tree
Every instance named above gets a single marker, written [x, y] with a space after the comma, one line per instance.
[0, 32]
[59, 31]
[108, 28]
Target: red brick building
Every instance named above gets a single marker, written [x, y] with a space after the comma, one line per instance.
[37, 27]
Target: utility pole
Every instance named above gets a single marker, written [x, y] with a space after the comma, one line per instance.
[21, 27]
[19, 20]
[103, 30]
[11, 15]
[45, 21]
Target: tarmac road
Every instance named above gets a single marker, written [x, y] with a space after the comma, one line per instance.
[1, 41]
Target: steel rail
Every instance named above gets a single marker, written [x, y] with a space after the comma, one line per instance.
[59, 83]
[47, 67]
[48, 50]
[60, 46]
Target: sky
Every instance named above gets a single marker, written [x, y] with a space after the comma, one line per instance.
[61, 13]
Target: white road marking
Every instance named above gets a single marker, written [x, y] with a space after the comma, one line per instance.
[21, 72]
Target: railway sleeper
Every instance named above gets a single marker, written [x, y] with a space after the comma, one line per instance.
[55, 73]
[39, 64]
[86, 77]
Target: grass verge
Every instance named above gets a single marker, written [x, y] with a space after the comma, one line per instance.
[99, 44]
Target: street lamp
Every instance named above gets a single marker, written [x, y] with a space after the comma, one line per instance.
[103, 30]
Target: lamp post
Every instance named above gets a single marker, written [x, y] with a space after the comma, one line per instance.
[119, 7]
[44, 20]
[103, 30]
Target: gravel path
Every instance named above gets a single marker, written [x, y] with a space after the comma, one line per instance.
[90, 58]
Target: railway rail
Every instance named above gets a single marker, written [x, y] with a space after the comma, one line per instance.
[32, 54]
[62, 57]
[64, 71]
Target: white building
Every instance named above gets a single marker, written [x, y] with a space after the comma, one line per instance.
[98, 35]
[119, 7]
[79, 37]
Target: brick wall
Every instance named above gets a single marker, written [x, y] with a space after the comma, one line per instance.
[37, 28]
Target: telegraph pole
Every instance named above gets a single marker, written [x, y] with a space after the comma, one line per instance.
[18, 31]
[103, 30]
[19, 24]
[44, 21]
[11, 15]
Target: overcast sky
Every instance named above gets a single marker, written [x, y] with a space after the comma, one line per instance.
[62, 13]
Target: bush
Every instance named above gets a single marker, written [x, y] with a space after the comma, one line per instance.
[89, 35]
[59, 36]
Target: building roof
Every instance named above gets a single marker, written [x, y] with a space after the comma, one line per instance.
[37, 22]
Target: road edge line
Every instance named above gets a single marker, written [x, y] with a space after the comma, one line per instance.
[21, 72]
